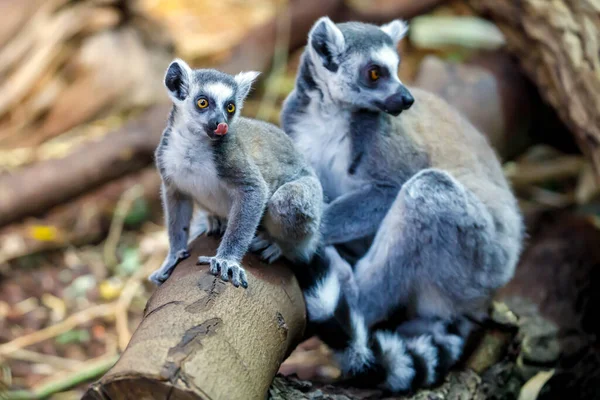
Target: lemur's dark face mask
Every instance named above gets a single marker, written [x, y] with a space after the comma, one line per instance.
[216, 121]
[380, 87]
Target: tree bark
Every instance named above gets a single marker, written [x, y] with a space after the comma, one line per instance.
[202, 338]
[557, 45]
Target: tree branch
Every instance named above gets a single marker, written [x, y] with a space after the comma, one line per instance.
[203, 338]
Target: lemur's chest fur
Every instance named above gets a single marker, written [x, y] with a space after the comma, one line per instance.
[323, 138]
[188, 164]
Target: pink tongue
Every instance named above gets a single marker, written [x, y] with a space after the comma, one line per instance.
[221, 128]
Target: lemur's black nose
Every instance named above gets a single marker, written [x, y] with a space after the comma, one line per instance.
[407, 98]
[398, 102]
[213, 123]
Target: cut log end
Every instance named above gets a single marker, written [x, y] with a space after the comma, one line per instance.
[138, 387]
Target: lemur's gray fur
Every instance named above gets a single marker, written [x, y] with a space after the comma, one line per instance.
[240, 172]
[417, 203]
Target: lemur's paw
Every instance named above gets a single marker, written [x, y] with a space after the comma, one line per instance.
[159, 276]
[269, 251]
[215, 225]
[226, 268]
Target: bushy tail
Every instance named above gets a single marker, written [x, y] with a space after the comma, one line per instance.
[417, 353]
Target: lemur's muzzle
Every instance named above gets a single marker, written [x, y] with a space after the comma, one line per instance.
[216, 128]
[398, 102]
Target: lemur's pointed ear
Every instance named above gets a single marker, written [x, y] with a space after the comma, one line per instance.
[177, 79]
[244, 81]
[326, 41]
[396, 29]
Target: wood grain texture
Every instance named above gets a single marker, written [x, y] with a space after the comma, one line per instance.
[558, 45]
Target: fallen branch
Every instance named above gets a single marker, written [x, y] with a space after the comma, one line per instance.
[64, 381]
[526, 173]
[81, 221]
[81, 317]
[48, 359]
[203, 338]
[43, 185]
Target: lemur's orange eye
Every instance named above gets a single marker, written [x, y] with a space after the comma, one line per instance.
[374, 74]
[230, 108]
[202, 103]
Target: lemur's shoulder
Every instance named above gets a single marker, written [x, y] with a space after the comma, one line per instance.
[260, 138]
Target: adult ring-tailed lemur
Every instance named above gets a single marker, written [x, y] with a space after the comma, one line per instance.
[416, 202]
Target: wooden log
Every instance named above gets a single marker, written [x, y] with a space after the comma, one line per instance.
[43, 185]
[202, 338]
[557, 45]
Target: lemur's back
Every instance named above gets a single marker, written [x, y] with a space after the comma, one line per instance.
[455, 145]
[271, 149]
[450, 141]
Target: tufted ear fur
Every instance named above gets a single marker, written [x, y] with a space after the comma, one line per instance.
[177, 80]
[326, 41]
[396, 29]
[244, 81]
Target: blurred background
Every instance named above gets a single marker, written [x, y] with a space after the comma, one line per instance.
[82, 107]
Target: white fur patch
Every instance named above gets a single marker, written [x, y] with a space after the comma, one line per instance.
[452, 343]
[244, 81]
[397, 362]
[320, 135]
[396, 29]
[197, 177]
[358, 355]
[322, 300]
[220, 92]
[334, 37]
[423, 346]
[388, 57]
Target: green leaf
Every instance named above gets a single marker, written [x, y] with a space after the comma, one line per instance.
[74, 336]
[138, 213]
[131, 262]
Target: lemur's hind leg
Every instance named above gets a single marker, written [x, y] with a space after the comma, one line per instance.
[436, 254]
[436, 251]
[292, 219]
[204, 223]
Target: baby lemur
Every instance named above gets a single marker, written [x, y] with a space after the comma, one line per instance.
[239, 171]
[421, 224]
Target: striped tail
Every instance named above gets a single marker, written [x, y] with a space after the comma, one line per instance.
[417, 353]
